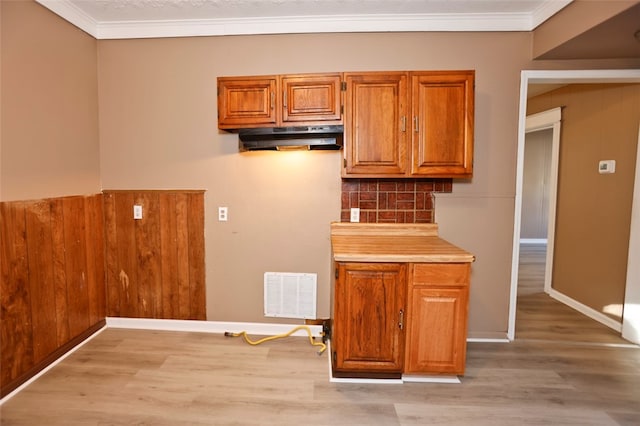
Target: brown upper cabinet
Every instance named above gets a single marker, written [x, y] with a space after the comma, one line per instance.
[279, 100]
[409, 124]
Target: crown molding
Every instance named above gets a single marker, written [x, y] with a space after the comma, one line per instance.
[303, 24]
[70, 12]
[547, 10]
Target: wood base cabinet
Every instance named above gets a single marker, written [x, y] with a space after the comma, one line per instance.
[368, 329]
[438, 297]
[400, 318]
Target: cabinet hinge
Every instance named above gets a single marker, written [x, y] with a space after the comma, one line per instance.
[341, 109]
[343, 86]
[344, 163]
[336, 273]
[335, 356]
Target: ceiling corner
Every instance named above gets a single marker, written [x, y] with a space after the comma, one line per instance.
[70, 12]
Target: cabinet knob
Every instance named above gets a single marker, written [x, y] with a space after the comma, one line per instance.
[415, 124]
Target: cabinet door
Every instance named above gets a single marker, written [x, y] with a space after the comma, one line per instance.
[442, 123]
[311, 98]
[247, 102]
[368, 325]
[376, 124]
[437, 319]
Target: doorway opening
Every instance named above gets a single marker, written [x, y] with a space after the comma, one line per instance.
[633, 282]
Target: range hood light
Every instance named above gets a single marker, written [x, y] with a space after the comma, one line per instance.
[293, 148]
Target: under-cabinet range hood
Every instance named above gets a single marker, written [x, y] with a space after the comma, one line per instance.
[291, 138]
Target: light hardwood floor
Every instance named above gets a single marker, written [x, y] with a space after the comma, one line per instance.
[136, 377]
[540, 317]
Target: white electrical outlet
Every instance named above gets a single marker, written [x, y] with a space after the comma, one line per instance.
[355, 214]
[222, 214]
[137, 212]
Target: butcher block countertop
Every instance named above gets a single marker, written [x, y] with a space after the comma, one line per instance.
[393, 242]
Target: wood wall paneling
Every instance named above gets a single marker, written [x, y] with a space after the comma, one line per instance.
[169, 256]
[155, 265]
[68, 262]
[76, 265]
[196, 258]
[40, 272]
[182, 246]
[52, 290]
[94, 231]
[16, 333]
[111, 257]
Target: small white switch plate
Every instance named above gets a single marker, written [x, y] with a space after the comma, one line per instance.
[607, 166]
[222, 214]
[137, 212]
[355, 214]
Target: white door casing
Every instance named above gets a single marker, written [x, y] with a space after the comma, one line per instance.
[631, 312]
[550, 119]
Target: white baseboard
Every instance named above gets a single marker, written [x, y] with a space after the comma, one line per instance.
[586, 310]
[488, 337]
[260, 329]
[408, 378]
[533, 241]
[405, 378]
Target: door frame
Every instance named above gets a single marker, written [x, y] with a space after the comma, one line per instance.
[550, 119]
[631, 323]
[631, 312]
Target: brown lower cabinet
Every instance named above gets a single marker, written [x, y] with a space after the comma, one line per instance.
[391, 319]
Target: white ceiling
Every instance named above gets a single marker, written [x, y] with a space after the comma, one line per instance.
[113, 19]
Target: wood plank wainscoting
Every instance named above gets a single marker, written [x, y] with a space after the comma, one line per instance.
[52, 292]
[69, 262]
[155, 265]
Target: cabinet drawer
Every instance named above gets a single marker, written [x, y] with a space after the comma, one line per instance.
[441, 274]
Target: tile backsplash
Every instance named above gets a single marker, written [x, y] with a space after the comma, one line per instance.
[392, 200]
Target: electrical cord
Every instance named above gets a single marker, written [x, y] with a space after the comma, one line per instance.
[323, 347]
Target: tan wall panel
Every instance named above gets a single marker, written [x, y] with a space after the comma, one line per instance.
[573, 20]
[159, 130]
[49, 105]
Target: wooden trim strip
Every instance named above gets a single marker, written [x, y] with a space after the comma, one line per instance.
[382, 229]
[153, 191]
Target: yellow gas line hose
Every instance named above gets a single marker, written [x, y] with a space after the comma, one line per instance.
[323, 347]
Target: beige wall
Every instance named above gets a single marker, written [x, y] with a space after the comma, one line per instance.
[158, 130]
[157, 115]
[599, 122]
[576, 18]
[49, 103]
